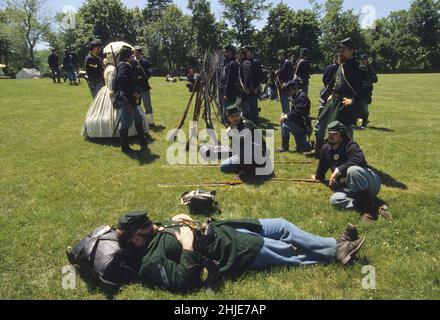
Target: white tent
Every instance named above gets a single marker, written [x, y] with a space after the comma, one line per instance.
[28, 74]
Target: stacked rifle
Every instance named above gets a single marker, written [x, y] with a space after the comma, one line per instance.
[206, 96]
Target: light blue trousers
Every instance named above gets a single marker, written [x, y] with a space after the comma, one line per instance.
[129, 114]
[285, 102]
[286, 244]
[146, 98]
[245, 107]
[300, 134]
[358, 179]
[231, 165]
[253, 109]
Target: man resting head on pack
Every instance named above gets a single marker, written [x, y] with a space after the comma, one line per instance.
[183, 254]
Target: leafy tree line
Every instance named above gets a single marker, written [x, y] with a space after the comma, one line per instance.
[404, 40]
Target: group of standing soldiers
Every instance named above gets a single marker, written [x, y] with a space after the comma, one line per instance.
[240, 82]
[69, 65]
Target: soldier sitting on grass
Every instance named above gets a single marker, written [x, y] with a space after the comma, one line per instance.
[356, 186]
[249, 155]
[184, 255]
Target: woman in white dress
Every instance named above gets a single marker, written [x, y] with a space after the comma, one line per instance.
[102, 118]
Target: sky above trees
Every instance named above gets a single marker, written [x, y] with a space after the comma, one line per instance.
[383, 8]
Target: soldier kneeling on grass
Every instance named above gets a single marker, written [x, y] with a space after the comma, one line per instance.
[184, 255]
[250, 156]
[356, 186]
[296, 122]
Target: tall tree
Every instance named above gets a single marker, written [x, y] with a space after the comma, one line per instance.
[168, 40]
[424, 24]
[27, 23]
[154, 9]
[107, 20]
[5, 49]
[337, 24]
[241, 14]
[205, 30]
[392, 44]
[286, 28]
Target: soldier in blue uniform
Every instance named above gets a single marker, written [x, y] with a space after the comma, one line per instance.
[246, 82]
[53, 61]
[257, 74]
[94, 68]
[327, 79]
[283, 75]
[356, 186]
[303, 69]
[348, 90]
[143, 74]
[364, 112]
[229, 84]
[249, 154]
[128, 98]
[69, 65]
[183, 255]
[297, 121]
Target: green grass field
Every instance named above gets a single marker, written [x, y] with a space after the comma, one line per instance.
[55, 187]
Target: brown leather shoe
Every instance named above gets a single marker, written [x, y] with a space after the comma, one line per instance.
[368, 218]
[350, 233]
[346, 251]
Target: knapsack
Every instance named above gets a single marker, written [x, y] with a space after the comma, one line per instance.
[200, 201]
[101, 256]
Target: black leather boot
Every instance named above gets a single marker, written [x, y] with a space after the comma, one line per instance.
[317, 152]
[141, 134]
[284, 144]
[125, 147]
[365, 205]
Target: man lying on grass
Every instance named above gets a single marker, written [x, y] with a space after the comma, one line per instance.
[183, 254]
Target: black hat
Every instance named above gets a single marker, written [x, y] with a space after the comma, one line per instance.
[133, 221]
[125, 52]
[295, 83]
[137, 48]
[230, 48]
[248, 48]
[95, 43]
[347, 43]
[232, 110]
[304, 51]
[336, 126]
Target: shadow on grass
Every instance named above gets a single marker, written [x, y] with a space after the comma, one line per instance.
[143, 156]
[388, 180]
[113, 142]
[94, 287]
[157, 128]
[266, 124]
[380, 129]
